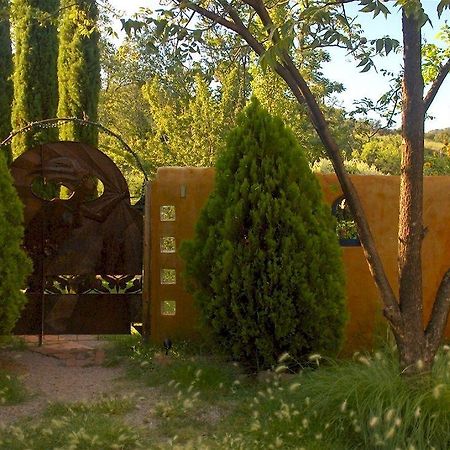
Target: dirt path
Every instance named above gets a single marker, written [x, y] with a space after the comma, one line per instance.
[49, 379]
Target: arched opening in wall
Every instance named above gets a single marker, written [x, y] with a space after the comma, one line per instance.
[345, 227]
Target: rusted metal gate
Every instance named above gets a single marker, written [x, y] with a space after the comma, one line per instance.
[86, 246]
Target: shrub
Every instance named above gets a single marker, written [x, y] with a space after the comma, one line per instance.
[265, 265]
[354, 166]
[384, 153]
[14, 264]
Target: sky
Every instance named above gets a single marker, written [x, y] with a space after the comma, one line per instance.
[343, 69]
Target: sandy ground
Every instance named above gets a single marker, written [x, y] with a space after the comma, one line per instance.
[49, 380]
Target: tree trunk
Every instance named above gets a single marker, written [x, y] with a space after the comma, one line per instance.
[411, 339]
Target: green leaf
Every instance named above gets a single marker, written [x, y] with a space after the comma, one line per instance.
[379, 45]
[363, 62]
[383, 9]
[369, 8]
[443, 4]
[160, 27]
[334, 37]
[388, 45]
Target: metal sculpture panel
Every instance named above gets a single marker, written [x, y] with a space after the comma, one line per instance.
[86, 246]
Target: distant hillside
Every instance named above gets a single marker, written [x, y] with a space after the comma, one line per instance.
[442, 135]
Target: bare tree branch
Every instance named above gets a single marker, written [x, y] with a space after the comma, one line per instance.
[212, 16]
[443, 72]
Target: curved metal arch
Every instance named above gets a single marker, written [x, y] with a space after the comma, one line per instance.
[47, 123]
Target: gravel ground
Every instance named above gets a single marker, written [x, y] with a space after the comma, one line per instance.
[49, 380]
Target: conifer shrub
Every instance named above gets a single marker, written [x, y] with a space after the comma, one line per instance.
[14, 264]
[265, 265]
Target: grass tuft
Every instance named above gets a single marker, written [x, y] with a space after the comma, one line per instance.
[80, 426]
[12, 390]
[358, 404]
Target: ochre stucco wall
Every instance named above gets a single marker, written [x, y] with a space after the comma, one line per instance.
[187, 189]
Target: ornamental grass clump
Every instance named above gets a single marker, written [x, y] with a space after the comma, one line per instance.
[14, 264]
[362, 403]
[265, 266]
[370, 403]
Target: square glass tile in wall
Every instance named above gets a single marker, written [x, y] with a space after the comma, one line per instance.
[168, 276]
[167, 213]
[168, 307]
[167, 244]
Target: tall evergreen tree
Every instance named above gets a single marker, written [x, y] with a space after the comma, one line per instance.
[6, 86]
[35, 60]
[78, 69]
[14, 264]
[265, 263]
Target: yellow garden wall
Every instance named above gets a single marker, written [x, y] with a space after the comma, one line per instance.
[187, 189]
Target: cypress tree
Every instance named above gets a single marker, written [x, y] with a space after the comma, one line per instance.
[6, 86]
[35, 59]
[78, 69]
[265, 265]
[14, 264]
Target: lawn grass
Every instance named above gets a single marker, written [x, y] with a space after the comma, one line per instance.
[12, 390]
[358, 403]
[206, 402]
[12, 343]
[80, 426]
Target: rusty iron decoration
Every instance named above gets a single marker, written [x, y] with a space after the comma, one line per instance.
[92, 238]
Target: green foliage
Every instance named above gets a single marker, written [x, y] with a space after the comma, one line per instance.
[35, 74]
[441, 136]
[358, 404]
[190, 130]
[11, 389]
[78, 69]
[14, 265]
[168, 113]
[353, 166]
[436, 162]
[277, 99]
[84, 426]
[6, 86]
[383, 153]
[274, 95]
[265, 264]
[122, 108]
